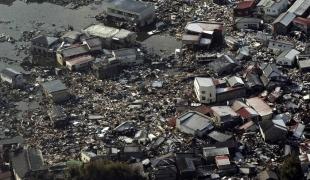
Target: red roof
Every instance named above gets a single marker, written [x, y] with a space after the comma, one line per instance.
[304, 21]
[245, 5]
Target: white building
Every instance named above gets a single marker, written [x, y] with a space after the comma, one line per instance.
[280, 45]
[12, 76]
[205, 90]
[272, 7]
[287, 57]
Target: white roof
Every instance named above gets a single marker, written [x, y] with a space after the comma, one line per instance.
[299, 7]
[100, 30]
[204, 82]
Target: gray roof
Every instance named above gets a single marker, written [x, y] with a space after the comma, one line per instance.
[10, 72]
[247, 20]
[28, 159]
[299, 7]
[270, 70]
[74, 51]
[289, 55]
[129, 5]
[213, 151]
[54, 86]
[45, 40]
[304, 64]
[124, 52]
[235, 81]
[195, 121]
[285, 18]
[218, 136]
[72, 35]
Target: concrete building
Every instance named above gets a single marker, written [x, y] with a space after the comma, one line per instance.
[287, 57]
[56, 90]
[138, 12]
[13, 77]
[205, 90]
[194, 123]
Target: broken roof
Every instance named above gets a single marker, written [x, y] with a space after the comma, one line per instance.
[245, 5]
[259, 106]
[195, 121]
[270, 70]
[301, 20]
[203, 27]
[285, 18]
[54, 86]
[223, 111]
[218, 136]
[129, 5]
[74, 51]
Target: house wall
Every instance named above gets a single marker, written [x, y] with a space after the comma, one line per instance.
[277, 8]
[279, 46]
[279, 28]
[247, 25]
[233, 94]
[205, 94]
[17, 81]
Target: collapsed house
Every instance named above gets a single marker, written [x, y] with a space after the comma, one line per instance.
[44, 46]
[273, 130]
[203, 34]
[262, 108]
[194, 123]
[272, 76]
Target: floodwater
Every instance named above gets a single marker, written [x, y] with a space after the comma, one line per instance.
[17, 16]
